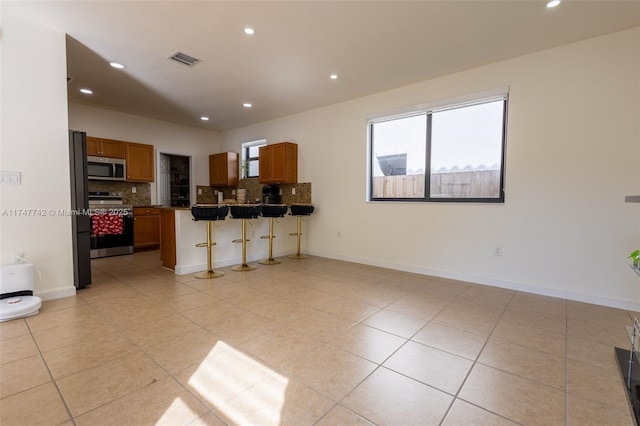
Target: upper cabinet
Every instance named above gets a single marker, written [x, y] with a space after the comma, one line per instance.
[99, 147]
[279, 163]
[140, 164]
[223, 169]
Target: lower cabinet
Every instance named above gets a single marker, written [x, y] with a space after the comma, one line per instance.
[168, 238]
[146, 228]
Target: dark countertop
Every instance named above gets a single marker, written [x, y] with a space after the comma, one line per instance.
[173, 208]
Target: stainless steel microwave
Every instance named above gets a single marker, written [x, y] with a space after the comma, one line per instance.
[104, 168]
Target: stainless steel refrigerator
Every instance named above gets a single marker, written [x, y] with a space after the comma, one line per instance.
[81, 221]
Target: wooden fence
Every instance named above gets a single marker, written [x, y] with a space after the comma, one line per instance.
[452, 184]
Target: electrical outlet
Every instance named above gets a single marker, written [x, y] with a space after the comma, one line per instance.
[497, 251]
[134, 190]
[233, 192]
[18, 257]
[199, 191]
[293, 191]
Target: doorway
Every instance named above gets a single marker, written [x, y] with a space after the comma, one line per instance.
[174, 183]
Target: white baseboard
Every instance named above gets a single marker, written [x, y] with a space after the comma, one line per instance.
[629, 305]
[57, 293]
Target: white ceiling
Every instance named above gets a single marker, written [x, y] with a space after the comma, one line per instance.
[284, 68]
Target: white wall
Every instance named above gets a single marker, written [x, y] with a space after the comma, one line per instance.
[35, 142]
[168, 138]
[572, 155]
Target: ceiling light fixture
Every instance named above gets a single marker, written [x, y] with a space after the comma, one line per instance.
[247, 105]
[116, 65]
[203, 118]
[553, 3]
[249, 31]
[333, 76]
[87, 91]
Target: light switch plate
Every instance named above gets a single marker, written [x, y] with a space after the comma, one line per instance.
[11, 178]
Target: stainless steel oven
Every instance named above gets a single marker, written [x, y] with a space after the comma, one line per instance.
[111, 225]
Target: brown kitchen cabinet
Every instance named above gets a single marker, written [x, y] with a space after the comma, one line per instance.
[223, 169]
[140, 164]
[279, 163]
[100, 147]
[146, 228]
[168, 238]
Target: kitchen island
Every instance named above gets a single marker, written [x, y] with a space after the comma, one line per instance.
[179, 234]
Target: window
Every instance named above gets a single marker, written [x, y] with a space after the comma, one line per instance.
[452, 153]
[250, 160]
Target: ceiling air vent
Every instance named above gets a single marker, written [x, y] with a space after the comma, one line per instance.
[183, 58]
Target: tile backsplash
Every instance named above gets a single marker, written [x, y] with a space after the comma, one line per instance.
[254, 191]
[142, 197]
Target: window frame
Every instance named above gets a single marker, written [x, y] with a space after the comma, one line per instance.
[246, 146]
[428, 113]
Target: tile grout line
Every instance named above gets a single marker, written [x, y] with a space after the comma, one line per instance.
[475, 361]
[53, 380]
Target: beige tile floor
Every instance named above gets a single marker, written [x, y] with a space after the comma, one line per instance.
[313, 341]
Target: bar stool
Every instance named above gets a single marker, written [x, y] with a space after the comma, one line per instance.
[209, 214]
[272, 211]
[300, 210]
[244, 212]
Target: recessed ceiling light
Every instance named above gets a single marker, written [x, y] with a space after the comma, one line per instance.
[247, 105]
[553, 3]
[204, 118]
[249, 31]
[116, 65]
[333, 76]
[87, 91]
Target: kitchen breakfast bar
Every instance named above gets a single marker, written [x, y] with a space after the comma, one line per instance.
[182, 238]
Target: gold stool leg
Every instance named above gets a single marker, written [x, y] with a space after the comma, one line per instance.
[244, 266]
[270, 260]
[209, 273]
[299, 235]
